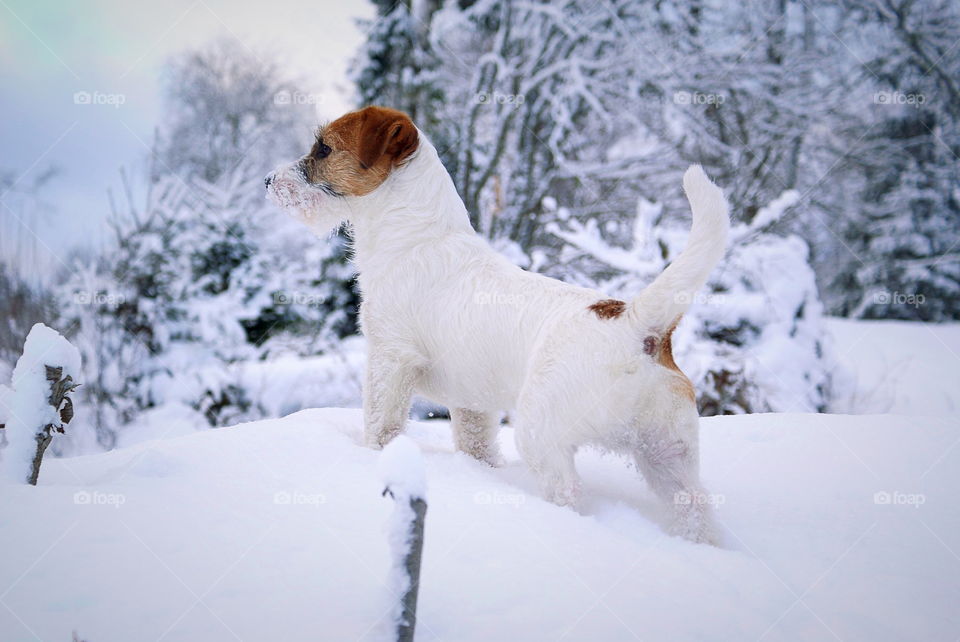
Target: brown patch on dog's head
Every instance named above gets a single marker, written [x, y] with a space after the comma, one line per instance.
[608, 308]
[354, 154]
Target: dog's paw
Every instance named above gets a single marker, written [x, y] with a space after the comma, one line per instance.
[491, 457]
[377, 441]
[494, 460]
[701, 536]
[696, 529]
[566, 495]
[488, 454]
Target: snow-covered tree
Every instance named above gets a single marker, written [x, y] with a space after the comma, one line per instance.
[599, 104]
[519, 81]
[202, 273]
[227, 105]
[397, 65]
[754, 340]
[24, 262]
[200, 278]
[21, 305]
[560, 116]
[904, 237]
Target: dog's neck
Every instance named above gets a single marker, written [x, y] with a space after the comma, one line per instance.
[414, 207]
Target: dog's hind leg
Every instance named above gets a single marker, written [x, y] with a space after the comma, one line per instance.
[475, 433]
[386, 397]
[554, 467]
[551, 460]
[671, 468]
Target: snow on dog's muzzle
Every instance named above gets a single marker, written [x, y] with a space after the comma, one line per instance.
[287, 188]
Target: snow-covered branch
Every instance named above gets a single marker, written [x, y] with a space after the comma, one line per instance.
[37, 405]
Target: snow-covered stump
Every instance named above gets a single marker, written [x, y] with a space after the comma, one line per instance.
[37, 405]
[402, 473]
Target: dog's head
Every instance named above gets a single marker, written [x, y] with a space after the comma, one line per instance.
[350, 158]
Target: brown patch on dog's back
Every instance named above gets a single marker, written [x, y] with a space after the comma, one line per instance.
[608, 308]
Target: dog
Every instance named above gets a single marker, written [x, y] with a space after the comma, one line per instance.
[450, 319]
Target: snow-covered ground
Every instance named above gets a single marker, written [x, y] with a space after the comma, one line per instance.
[839, 526]
[834, 526]
[896, 367]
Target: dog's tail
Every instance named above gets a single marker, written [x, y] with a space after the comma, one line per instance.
[660, 305]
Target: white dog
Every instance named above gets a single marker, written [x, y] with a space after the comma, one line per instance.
[447, 317]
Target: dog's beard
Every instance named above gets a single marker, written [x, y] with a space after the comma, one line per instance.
[312, 205]
[296, 198]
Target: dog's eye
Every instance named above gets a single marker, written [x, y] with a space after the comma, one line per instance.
[323, 150]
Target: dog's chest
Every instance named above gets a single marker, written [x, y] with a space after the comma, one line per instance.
[467, 355]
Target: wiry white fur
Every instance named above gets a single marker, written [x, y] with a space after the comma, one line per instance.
[447, 317]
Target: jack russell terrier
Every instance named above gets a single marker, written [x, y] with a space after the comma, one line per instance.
[448, 318]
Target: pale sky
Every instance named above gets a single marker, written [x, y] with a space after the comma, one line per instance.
[50, 50]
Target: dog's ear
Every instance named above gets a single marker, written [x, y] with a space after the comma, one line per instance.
[386, 132]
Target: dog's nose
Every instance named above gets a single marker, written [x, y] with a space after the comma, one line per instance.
[268, 180]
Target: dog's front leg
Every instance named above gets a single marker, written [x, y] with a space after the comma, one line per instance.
[386, 396]
[475, 433]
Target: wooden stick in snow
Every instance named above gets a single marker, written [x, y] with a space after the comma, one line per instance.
[404, 479]
[59, 389]
[411, 564]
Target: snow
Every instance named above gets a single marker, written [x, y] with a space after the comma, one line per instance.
[753, 339]
[899, 367]
[290, 383]
[401, 469]
[832, 525]
[775, 210]
[768, 292]
[26, 406]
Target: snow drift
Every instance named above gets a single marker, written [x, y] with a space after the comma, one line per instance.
[832, 526]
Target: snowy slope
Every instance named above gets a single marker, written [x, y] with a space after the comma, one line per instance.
[896, 366]
[274, 531]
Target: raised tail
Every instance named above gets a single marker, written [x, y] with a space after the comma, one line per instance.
[663, 302]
